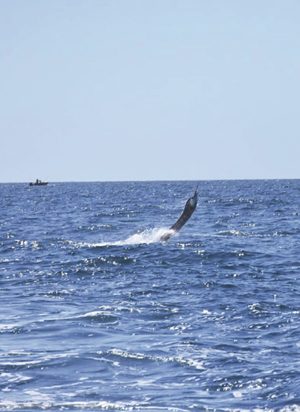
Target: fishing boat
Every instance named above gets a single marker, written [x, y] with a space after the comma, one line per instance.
[38, 183]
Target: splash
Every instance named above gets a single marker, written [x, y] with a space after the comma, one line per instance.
[147, 236]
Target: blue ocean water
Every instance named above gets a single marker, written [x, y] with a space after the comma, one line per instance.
[97, 314]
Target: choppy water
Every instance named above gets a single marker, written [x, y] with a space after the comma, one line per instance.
[97, 314]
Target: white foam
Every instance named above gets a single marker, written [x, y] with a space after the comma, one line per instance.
[95, 314]
[182, 360]
[8, 326]
[148, 236]
[44, 402]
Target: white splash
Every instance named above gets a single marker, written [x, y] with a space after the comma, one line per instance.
[145, 237]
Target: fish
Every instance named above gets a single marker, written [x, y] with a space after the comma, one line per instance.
[188, 210]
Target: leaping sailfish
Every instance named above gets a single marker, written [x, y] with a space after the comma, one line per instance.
[188, 210]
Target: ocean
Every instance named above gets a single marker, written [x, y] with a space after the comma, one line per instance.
[98, 314]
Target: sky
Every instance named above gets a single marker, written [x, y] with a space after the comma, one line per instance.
[107, 90]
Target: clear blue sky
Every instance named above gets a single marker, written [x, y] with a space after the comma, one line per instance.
[149, 89]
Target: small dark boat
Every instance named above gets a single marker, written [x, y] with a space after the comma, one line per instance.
[38, 183]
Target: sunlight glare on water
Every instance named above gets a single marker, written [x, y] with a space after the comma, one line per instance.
[99, 314]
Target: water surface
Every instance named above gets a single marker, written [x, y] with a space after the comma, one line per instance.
[97, 314]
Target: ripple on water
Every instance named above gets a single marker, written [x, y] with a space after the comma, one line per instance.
[98, 314]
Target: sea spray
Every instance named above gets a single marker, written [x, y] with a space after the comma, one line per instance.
[147, 236]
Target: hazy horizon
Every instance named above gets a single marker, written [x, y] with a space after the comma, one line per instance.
[153, 181]
[149, 91]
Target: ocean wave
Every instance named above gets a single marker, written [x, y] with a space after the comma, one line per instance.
[50, 404]
[98, 314]
[101, 316]
[137, 356]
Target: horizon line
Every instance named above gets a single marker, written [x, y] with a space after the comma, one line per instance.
[156, 180]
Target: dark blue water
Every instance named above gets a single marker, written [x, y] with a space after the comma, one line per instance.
[97, 314]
